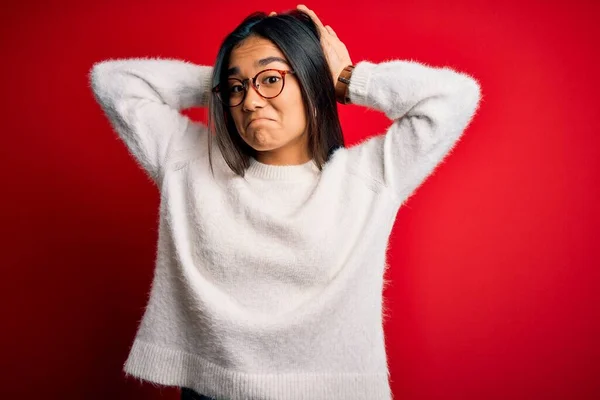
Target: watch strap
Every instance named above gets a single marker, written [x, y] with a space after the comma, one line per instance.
[342, 85]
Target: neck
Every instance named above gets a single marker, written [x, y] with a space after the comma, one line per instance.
[292, 154]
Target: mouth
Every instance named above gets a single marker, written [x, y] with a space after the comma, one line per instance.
[258, 119]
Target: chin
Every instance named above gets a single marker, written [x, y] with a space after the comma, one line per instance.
[262, 142]
[265, 148]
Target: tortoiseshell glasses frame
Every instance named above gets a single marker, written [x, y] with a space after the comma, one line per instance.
[244, 83]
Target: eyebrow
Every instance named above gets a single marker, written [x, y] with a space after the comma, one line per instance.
[261, 63]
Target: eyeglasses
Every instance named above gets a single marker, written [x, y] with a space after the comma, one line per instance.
[268, 83]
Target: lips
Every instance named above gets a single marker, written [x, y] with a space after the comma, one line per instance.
[257, 119]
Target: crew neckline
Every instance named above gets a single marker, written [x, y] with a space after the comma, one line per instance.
[282, 172]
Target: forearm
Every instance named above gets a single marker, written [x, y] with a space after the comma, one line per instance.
[403, 88]
[178, 84]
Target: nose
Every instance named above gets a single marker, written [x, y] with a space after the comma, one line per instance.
[252, 100]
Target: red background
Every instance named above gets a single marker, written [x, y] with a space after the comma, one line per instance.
[494, 261]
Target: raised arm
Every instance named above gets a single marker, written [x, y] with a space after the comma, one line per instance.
[142, 99]
[431, 107]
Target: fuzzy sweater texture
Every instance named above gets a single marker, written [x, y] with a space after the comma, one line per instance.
[269, 287]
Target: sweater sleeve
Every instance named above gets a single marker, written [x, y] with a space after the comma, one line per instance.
[143, 97]
[430, 108]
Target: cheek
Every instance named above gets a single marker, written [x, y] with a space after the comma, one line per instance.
[237, 117]
[292, 110]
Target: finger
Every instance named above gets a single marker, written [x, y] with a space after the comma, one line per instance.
[312, 15]
[273, 13]
[331, 31]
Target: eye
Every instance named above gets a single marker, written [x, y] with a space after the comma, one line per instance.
[236, 89]
[271, 80]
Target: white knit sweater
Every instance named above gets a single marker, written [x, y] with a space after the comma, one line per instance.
[270, 287]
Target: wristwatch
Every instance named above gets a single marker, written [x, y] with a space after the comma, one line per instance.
[342, 84]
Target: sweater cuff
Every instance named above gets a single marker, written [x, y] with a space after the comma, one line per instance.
[205, 85]
[359, 82]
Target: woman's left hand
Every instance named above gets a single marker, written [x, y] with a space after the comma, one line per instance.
[335, 51]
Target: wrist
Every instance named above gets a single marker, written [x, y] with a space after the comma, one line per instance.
[342, 85]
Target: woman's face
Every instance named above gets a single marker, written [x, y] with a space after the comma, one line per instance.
[276, 125]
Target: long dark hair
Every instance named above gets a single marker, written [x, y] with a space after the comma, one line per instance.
[298, 39]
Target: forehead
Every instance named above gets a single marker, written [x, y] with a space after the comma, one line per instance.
[252, 50]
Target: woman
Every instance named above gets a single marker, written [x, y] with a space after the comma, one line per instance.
[272, 237]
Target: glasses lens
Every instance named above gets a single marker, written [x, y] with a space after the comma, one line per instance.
[270, 83]
[234, 92]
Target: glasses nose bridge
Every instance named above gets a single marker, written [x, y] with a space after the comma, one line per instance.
[250, 82]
